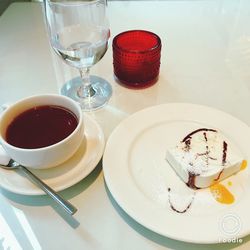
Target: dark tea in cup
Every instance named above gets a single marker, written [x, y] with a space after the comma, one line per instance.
[41, 126]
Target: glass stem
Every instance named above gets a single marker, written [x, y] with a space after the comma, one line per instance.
[86, 90]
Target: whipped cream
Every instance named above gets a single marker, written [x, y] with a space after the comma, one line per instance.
[203, 157]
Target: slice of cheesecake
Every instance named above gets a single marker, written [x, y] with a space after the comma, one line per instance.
[204, 157]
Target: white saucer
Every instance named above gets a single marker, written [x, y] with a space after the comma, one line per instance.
[66, 174]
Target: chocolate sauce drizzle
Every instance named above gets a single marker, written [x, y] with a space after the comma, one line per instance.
[189, 136]
[191, 181]
[187, 140]
[175, 209]
[219, 175]
[187, 144]
[205, 136]
[224, 160]
[224, 156]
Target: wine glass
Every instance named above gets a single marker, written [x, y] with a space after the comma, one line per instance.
[79, 33]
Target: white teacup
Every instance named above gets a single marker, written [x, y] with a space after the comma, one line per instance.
[49, 156]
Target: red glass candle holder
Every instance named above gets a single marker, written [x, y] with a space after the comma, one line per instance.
[136, 58]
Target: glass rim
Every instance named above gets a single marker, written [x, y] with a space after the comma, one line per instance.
[117, 47]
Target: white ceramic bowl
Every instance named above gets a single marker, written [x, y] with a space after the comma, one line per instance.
[45, 157]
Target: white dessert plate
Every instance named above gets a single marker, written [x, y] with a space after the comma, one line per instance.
[139, 177]
[66, 174]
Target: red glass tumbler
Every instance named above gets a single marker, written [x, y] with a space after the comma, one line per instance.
[136, 58]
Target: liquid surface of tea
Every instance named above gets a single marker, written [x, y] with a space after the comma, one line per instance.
[41, 126]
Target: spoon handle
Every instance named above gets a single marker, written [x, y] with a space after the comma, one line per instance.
[68, 207]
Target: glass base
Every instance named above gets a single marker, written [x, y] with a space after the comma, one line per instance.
[102, 88]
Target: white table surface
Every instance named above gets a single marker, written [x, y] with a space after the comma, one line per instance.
[205, 60]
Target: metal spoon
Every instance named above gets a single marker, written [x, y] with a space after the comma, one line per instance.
[67, 206]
